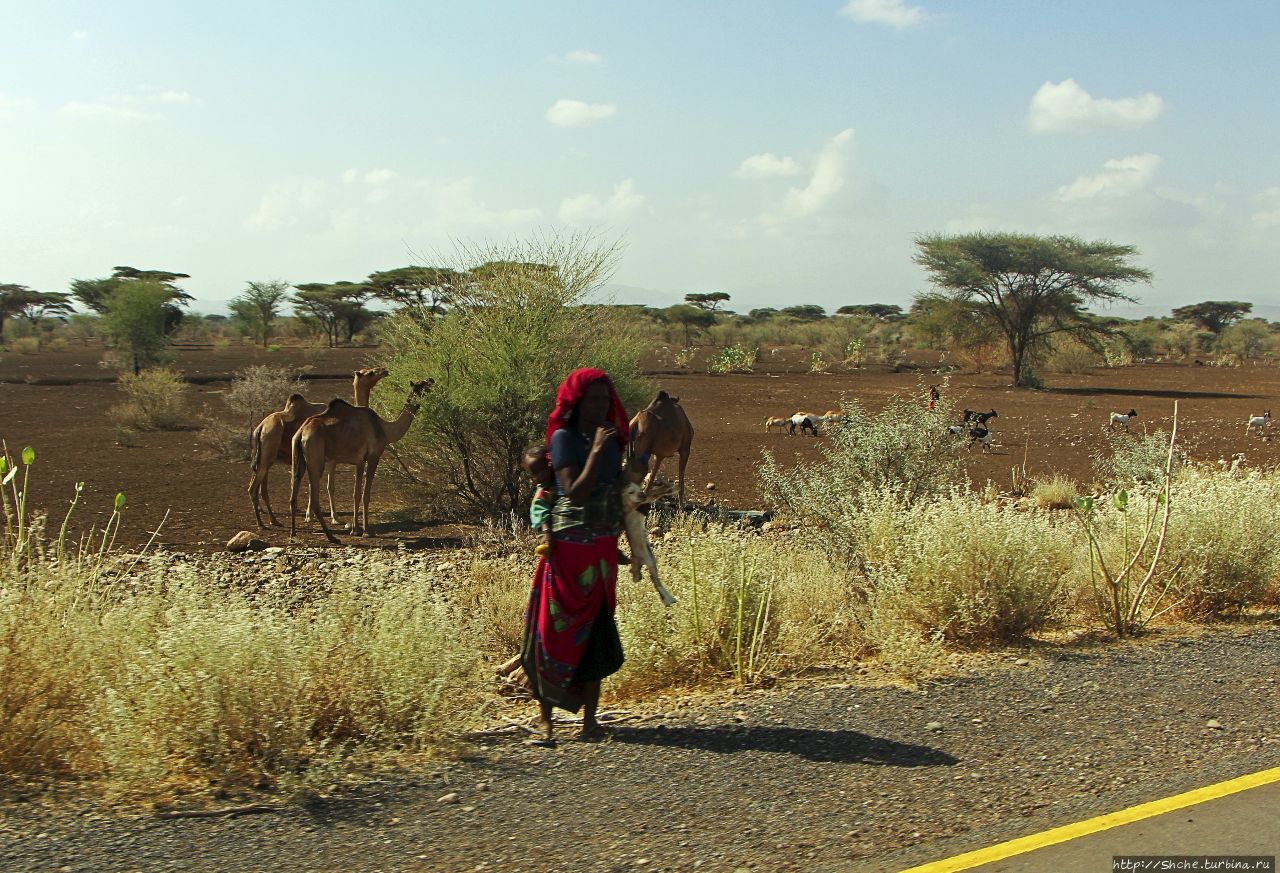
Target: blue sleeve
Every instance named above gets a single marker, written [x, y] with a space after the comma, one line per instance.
[566, 450]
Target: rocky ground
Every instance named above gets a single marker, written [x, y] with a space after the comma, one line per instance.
[826, 774]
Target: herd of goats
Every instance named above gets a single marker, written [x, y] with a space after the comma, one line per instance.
[976, 426]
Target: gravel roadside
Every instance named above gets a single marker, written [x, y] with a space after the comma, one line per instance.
[826, 775]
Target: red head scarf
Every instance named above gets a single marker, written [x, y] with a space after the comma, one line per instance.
[570, 394]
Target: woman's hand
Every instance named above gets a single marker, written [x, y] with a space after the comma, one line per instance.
[603, 436]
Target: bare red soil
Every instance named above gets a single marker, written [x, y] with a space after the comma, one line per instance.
[1056, 430]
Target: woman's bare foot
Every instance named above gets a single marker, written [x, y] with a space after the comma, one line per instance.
[594, 732]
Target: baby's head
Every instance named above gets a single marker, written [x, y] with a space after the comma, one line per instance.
[535, 463]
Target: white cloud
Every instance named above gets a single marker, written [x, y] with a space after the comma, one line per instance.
[80, 35]
[575, 113]
[1067, 106]
[117, 111]
[142, 106]
[365, 202]
[1268, 215]
[297, 203]
[590, 208]
[1119, 178]
[581, 56]
[828, 177]
[767, 165]
[894, 13]
[9, 104]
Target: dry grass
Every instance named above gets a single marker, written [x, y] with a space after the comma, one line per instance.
[1057, 492]
[156, 400]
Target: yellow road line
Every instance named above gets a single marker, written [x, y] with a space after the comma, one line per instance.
[1000, 851]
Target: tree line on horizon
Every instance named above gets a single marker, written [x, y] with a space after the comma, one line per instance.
[1029, 293]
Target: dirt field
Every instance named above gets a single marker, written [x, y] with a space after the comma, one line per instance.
[1058, 429]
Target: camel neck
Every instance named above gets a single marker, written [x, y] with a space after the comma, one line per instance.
[398, 428]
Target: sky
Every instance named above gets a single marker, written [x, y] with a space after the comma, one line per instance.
[782, 152]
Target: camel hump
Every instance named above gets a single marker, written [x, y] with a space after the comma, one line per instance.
[337, 404]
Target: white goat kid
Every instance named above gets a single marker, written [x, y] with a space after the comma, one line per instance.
[636, 526]
[1122, 419]
[1259, 423]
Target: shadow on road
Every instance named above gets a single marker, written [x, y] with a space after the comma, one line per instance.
[836, 747]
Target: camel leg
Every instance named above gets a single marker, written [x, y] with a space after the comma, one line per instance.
[357, 490]
[655, 461]
[266, 496]
[309, 460]
[329, 470]
[684, 462]
[370, 469]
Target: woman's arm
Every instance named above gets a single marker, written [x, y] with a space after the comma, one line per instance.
[577, 484]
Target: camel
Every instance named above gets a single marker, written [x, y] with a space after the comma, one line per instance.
[346, 434]
[660, 430]
[272, 439]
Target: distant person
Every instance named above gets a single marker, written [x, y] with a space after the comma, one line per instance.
[934, 396]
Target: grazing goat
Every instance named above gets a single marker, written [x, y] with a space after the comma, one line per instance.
[1261, 422]
[980, 435]
[805, 421]
[1123, 418]
[980, 417]
[771, 422]
[636, 526]
[956, 430]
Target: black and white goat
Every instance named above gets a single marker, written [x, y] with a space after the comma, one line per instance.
[1123, 418]
[980, 417]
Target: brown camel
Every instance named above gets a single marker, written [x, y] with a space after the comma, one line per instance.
[660, 430]
[346, 434]
[272, 439]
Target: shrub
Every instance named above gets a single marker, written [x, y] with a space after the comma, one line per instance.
[255, 393]
[25, 345]
[733, 359]
[1131, 460]
[904, 449]
[1224, 540]
[956, 568]
[1070, 356]
[512, 334]
[684, 357]
[157, 400]
[1057, 492]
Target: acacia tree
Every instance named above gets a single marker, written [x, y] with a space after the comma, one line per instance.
[333, 307]
[1214, 315]
[136, 322]
[13, 298]
[878, 311]
[710, 301]
[422, 291]
[1030, 287]
[259, 306]
[96, 294]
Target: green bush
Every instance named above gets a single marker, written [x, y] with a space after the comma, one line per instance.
[157, 400]
[511, 336]
[904, 449]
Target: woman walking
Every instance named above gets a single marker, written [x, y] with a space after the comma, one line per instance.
[570, 638]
